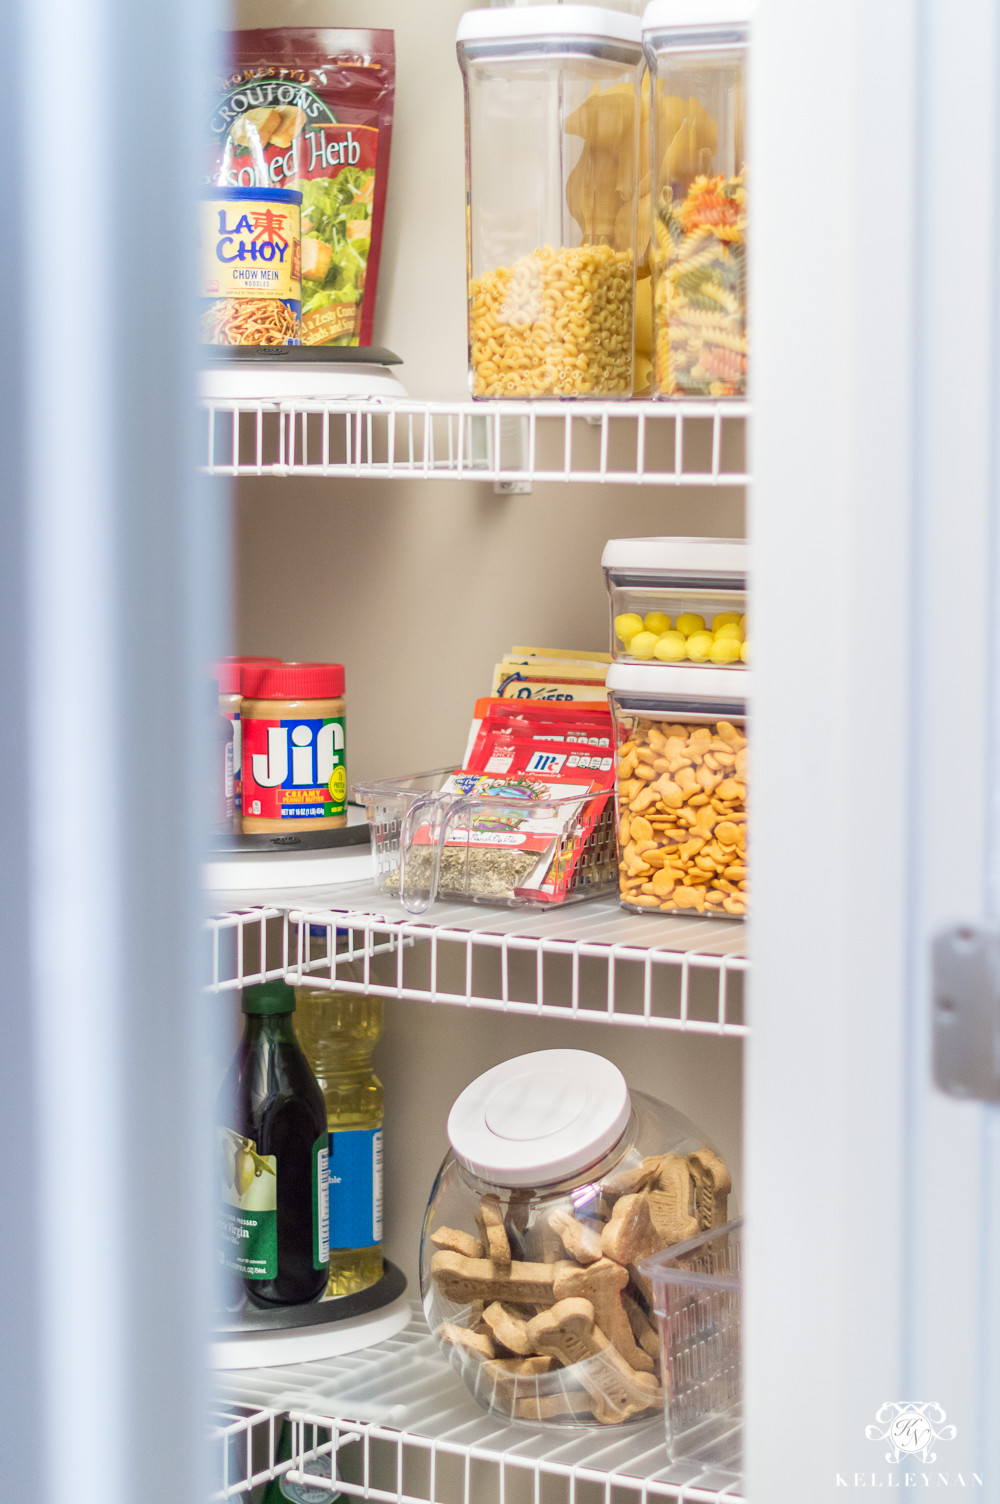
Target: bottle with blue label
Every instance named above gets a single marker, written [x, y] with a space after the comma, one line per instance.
[338, 1031]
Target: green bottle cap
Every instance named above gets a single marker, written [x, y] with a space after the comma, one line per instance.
[269, 997]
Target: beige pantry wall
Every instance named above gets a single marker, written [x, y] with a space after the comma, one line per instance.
[418, 587]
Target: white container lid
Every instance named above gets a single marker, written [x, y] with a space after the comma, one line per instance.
[504, 22]
[539, 1118]
[664, 15]
[710, 556]
[678, 681]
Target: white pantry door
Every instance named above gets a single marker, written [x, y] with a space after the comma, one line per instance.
[874, 1198]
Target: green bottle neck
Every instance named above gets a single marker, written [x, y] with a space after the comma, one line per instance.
[269, 1028]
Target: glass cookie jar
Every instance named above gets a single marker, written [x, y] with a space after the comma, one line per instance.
[559, 1182]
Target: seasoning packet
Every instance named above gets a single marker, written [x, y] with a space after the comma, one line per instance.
[541, 776]
[551, 674]
[311, 109]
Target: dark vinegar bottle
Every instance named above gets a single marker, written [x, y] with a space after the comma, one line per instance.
[274, 1207]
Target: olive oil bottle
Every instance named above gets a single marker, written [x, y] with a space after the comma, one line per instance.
[273, 1147]
[338, 1031]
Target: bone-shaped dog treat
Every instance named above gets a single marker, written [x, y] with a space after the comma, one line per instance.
[713, 1183]
[520, 1368]
[508, 1328]
[581, 1242]
[507, 1378]
[478, 1344]
[644, 1331]
[567, 1333]
[462, 1280]
[671, 1204]
[628, 1182]
[489, 1220]
[459, 1242]
[630, 1233]
[554, 1406]
[602, 1284]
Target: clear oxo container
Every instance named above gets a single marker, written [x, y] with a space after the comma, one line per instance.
[551, 120]
[681, 788]
[678, 600]
[698, 1300]
[697, 56]
[558, 1184]
[428, 842]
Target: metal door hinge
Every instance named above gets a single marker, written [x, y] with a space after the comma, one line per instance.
[965, 970]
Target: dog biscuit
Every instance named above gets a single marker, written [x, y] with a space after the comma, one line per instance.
[712, 1183]
[508, 1328]
[458, 1242]
[602, 1284]
[567, 1333]
[489, 1220]
[462, 1280]
[581, 1242]
[477, 1344]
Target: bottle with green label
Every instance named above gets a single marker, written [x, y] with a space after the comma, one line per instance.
[338, 1031]
[274, 1201]
[280, 1489]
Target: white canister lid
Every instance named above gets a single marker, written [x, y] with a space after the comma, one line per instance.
[665, 15]
[705, 556]
[539, 1118]
[506, 22]
[681, 681]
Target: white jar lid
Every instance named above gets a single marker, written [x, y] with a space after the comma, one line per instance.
[664, 15]
[679, 681]
[540, 1117]
[710, 556]
[501, 23]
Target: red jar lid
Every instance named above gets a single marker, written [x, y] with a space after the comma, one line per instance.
[227, 671]
[227, 676]
[294, 681]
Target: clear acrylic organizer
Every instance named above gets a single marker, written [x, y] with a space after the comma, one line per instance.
[698, 1300]
[430, 842]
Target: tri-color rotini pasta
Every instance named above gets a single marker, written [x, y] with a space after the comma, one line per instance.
[699, 298]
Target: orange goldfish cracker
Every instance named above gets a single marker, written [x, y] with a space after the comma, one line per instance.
[682, 818]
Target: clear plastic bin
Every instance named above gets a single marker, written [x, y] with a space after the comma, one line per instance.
[678, 600]
[697, 57]
[559, 1182]
[681, 789]
[551, 120]
[430, 843]
[698, 1300]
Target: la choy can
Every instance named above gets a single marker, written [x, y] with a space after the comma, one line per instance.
[251, 266]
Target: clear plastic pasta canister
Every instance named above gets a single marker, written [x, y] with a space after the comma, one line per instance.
[697, 56]
[551, 121]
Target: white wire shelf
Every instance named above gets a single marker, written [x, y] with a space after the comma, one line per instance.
[587, 960]
[512, 443]
[395, 1423]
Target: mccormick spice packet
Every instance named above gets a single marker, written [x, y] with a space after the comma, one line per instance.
[312, 110]
[541, 775]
